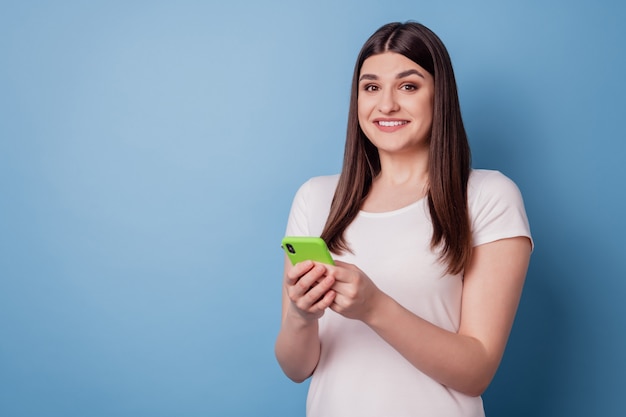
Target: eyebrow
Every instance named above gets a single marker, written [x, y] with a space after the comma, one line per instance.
[403, 74]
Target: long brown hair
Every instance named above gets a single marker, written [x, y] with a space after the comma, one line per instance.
[449, 153]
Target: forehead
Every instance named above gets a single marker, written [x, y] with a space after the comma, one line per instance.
[389, 63]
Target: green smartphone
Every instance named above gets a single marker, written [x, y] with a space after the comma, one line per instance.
[303, 248]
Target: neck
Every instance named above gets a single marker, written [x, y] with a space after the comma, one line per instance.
[399, 170]
[401, 181]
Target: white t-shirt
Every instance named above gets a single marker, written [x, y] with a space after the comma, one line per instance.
[358, 373]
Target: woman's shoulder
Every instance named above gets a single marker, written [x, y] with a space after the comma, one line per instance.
[320, 185]
[311, 206]
[496, 207]
[490, 182]
[317, 192]
[324, 181]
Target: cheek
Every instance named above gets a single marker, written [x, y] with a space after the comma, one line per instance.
[424, 108]
[364, 126]
[361, 112]
[366, 103]
[360, 106]
[429, 111]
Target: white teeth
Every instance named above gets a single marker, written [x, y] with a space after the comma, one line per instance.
[391, 124]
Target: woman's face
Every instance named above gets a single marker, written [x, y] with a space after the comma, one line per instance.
[395, 103]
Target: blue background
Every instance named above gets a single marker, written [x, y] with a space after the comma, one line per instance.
[149, 152]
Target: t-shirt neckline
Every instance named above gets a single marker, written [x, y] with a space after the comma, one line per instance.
[395, 212]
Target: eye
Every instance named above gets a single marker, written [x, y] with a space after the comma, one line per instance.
[408, 87]
[370, 88]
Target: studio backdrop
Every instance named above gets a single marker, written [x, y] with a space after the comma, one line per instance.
[150, 150]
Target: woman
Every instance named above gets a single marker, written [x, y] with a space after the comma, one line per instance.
[431, 256]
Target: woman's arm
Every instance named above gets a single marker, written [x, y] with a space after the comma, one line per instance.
[306, 295]
[465, 361]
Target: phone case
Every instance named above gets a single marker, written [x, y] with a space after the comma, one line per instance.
[302, 248]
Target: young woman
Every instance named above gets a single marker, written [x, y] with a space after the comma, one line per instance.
[431, 256]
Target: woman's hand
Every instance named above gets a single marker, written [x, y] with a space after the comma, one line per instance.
[356, 294]
[308, 286]
[307, 294]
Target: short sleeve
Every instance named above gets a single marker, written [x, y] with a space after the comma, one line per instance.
[496, 208]
[311, 206]
[297, 221]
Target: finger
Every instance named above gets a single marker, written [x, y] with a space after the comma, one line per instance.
[326, 301]
[304, 283]
[335, 306]
[295, 272]
[340, 303]
[341, 287]
[343, 275]
[318, 292]
[345, 265]
[307, 301]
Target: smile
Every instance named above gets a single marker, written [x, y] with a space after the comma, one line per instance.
[392, 123]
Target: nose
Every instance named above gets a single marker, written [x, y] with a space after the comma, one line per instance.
[388, 102]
